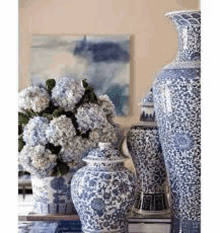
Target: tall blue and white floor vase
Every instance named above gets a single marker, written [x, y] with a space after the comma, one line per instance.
[145, 149]
[177, 107]
[103, 192]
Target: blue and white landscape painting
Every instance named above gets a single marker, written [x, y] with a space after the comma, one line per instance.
[102, 60]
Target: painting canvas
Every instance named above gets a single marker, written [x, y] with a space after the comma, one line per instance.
[103, 60]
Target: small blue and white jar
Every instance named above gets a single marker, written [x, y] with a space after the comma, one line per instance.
[103, 192]
[144, 147]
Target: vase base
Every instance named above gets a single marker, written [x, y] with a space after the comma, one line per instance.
[185, 226]
[151, 203]
[107, 231]
[122, 229]
[152, 213]
[45, 208]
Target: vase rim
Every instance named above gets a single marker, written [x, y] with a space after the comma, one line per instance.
[103, 161]
[168, 14]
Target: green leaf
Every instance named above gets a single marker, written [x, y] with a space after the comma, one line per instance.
[29, 113]
[64, 168]
[56, 171]
[48, 116]
[33, 114]
[60, 169]
[50, 84]
[88, 97]
[20, 144]
[20, 130]
[85, 84]
[58, 112]
[22, 119]
[49, 109]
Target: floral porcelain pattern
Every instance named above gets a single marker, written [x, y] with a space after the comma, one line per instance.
[145, 149]
[180, 137]
[178, 114]
[144, 140]
[103, 192]
[52, 195]
[188, 24]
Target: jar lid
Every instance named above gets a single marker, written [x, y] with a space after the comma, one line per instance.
[148, 99]
[104, 153]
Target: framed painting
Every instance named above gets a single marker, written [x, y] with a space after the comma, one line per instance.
[104, 60]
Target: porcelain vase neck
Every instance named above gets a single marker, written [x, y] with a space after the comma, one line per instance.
[188, 25]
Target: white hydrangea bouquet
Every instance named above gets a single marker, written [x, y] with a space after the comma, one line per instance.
[59, 123]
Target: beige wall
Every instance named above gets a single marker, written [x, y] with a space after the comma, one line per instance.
[153, 38]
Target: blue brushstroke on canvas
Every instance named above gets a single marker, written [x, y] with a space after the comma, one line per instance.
[117, 97]
[103, 51]
[109, 53]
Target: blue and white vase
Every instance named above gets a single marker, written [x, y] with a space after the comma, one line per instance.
[52, 194]
[144, 147]
[103, 191]
[177, 107]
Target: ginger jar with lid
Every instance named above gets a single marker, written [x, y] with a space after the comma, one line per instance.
[103, 192]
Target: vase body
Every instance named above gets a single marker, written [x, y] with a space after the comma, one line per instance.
[177, 107]
[144, 147]
[52, 195]
[103, 192]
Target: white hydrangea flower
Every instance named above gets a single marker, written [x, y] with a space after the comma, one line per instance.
[37, 160]
[76, 149]
[72, 165]
[67, 93]
[60, 131]
[105, 134]
[35, 131]
[34, 98]
[44, 160]
[107, 105]
[90, 116]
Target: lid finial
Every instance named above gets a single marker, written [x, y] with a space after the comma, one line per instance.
[105, 145]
